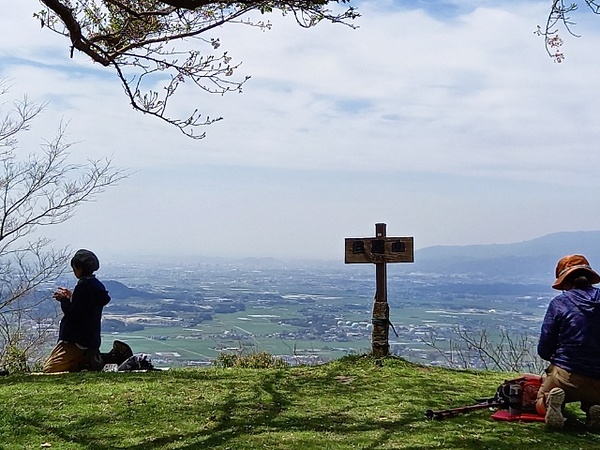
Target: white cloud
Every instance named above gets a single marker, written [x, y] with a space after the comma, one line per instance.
[456, 127]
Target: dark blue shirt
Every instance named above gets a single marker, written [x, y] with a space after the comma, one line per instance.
[570, 336]
[83, 313]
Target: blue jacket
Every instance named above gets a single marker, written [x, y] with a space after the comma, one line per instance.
[570, 336]
[83, 313]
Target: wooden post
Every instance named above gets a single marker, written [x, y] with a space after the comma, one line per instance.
[381, 310]
[380, 250]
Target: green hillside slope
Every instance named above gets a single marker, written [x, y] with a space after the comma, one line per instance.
[353, 403]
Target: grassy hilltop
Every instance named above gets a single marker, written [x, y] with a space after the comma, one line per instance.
[352, 403]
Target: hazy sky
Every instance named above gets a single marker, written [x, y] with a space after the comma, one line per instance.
[449, 123]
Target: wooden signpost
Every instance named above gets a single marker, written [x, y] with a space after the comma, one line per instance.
[380, 250]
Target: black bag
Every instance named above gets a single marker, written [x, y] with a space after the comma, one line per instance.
[520, 394]
[92, 361]
[136, 362]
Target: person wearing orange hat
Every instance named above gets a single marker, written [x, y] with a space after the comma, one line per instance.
[570, 341]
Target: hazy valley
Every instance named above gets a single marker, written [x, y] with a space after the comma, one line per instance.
[186, 313]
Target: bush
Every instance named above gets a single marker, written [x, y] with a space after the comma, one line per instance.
[254, 360]
[14, 359]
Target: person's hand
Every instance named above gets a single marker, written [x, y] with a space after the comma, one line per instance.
[61, 293]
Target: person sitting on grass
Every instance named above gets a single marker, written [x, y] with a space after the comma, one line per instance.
[570, 341]
[79, 338]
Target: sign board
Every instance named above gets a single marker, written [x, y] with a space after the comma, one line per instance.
[379, 250]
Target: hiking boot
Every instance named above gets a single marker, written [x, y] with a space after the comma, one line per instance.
[593, 417]
[119, 353]
[554, 403]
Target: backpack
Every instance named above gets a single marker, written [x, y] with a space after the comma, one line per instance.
[517, 399]
[140, 361]
[520, 394]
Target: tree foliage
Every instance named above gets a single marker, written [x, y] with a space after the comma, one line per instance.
[143, 39]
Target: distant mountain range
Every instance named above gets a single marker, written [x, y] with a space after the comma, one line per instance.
[120, 291]
[535, 259]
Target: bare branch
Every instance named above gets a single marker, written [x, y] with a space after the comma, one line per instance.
[140, 40]
[505, 352]
[560, 16]
[37, 189]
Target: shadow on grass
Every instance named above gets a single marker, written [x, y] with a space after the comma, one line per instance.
[334, 407]
[236, 418]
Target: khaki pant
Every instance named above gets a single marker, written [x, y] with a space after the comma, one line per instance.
[68, 357]
[578, 388]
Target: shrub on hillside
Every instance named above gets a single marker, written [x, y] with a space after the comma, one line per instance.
[14, 359]
[254, 360]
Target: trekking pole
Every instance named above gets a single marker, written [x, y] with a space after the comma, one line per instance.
[452, 412]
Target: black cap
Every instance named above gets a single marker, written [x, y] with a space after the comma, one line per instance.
[86, 261]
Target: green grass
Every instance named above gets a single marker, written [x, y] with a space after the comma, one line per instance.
[182, 341]
[352, 403]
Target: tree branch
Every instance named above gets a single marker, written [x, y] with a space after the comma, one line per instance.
[143, 38]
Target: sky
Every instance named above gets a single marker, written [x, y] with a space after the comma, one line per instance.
[446, 120]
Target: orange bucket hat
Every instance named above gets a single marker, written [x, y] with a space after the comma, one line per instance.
[568, 265]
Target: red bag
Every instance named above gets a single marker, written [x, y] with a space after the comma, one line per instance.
[520, 396]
